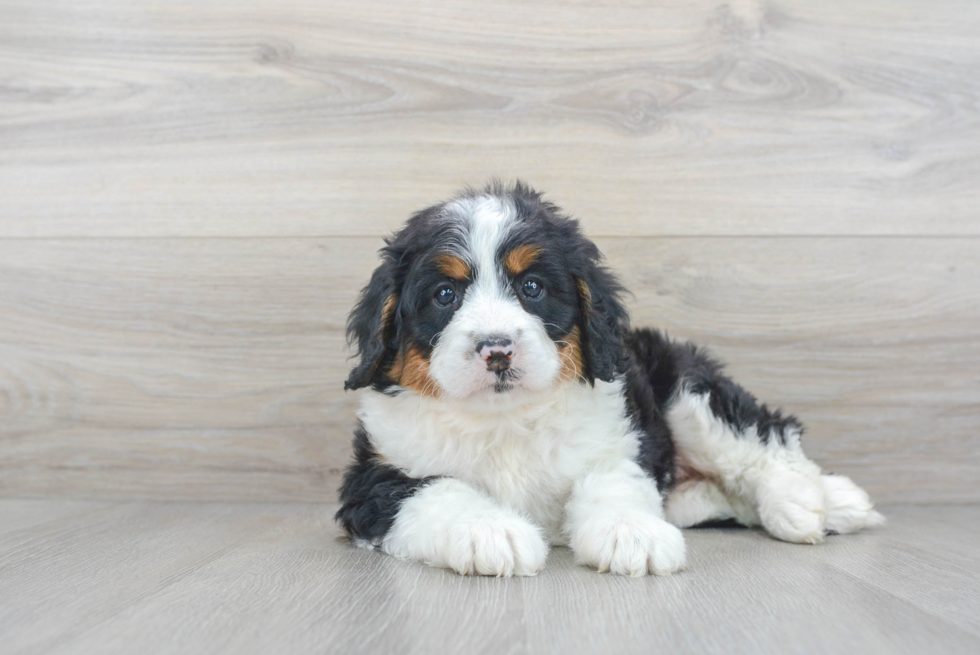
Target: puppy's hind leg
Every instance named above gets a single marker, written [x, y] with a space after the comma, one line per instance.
[700, 501]
[755, 456]
[770, 474]
[849, 508]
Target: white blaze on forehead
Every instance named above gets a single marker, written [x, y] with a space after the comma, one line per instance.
[488, 221]
[489, 308]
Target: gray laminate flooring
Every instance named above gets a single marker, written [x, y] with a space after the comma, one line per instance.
[142, 577]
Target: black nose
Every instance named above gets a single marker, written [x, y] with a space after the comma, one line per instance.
[496, 352]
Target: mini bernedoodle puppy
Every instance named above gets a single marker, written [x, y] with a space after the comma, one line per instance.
[510, 406]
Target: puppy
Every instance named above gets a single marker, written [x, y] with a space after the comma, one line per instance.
[509, 406]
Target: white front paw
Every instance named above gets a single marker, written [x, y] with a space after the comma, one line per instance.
[496, 544]
[631, 544]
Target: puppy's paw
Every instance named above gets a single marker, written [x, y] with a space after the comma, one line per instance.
[632, 544]
[451, 525]
[500, 544]
[791, 507]
[849, 508]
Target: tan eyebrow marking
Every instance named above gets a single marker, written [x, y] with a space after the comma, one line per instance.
[520, 258]
[453, 266]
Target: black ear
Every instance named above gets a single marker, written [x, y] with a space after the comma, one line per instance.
[603, 320]
[372, 325]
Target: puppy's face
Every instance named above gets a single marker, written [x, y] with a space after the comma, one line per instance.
[492, 295]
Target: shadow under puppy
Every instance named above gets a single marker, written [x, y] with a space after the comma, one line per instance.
[510, 406]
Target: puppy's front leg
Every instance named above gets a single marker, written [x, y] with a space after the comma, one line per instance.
[450, 524]
[615, 522]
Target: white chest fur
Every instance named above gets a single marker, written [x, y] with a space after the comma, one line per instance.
[525, 455]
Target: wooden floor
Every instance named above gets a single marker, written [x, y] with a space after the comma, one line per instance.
[87, 577]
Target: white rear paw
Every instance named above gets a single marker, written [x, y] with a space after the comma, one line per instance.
[849, 508]
[633, 544]
[791, 507]
[498, 544]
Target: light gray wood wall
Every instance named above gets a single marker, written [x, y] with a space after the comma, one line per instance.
[191, 194]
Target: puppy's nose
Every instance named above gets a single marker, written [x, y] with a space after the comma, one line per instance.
[496, 352]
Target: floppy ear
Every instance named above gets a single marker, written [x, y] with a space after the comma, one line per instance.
[603, 319]
[372, 325]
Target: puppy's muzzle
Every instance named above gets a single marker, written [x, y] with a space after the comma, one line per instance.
[497, 352]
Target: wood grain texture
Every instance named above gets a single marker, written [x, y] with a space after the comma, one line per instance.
[259, 578]
[314, 118]
[64, 575]
[191, 194]
[213, 368]
[209, 368]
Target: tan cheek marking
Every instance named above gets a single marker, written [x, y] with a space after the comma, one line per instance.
[411, 370]
[570, 351]
[453, 267]
[520, 258]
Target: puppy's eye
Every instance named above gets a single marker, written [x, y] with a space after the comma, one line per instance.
[445, 296]
[532, 288]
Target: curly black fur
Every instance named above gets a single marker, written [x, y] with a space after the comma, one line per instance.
[372, 492]
[672, 366]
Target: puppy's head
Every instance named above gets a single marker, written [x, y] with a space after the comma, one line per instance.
[487, 296]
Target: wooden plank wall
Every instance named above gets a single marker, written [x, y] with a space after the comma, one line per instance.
[191, 194]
